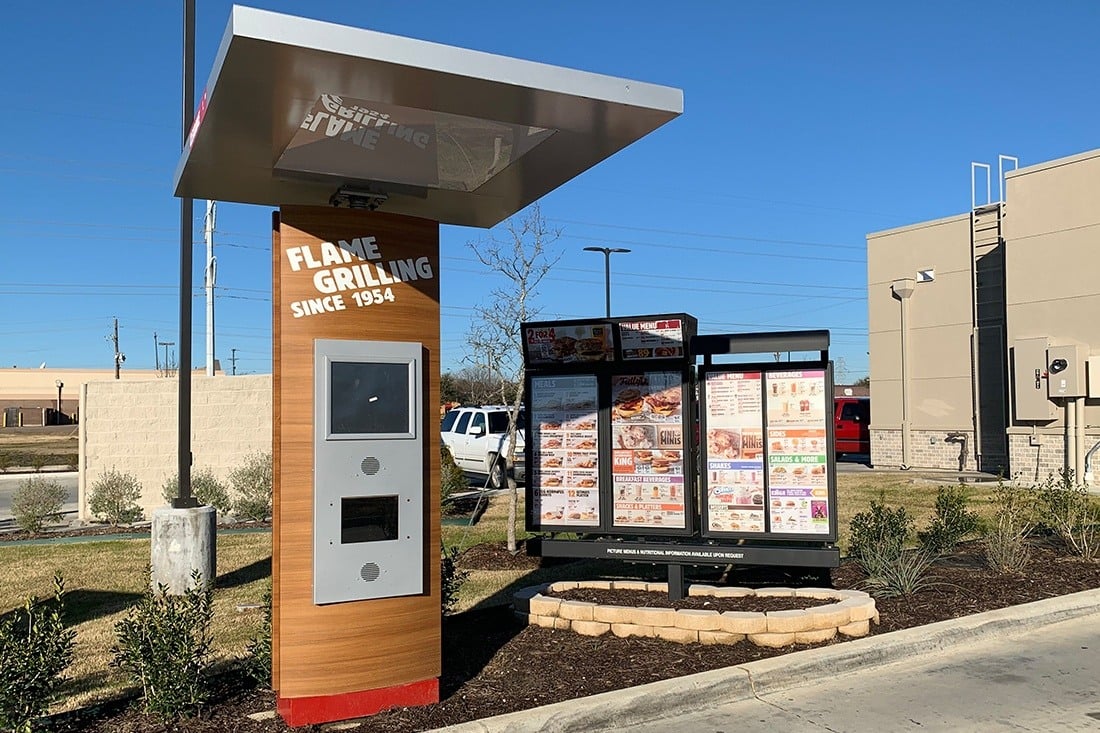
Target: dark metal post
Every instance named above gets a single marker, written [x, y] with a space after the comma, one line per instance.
[57, 418]
[675, 582]
[187, 213]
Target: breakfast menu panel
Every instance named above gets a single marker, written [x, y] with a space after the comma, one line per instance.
[733, 452]
[798, 487]
[565, 451]
[647, 431]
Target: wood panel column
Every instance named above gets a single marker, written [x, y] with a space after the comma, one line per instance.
[349, 659]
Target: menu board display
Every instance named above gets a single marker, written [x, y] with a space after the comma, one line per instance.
[798, 485]
[565, 450]
[660, 339]
[589, 342]
[647, 431]
[734, 452]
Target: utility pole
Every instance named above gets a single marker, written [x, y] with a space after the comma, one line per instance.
[167, 361]
[233, 360]
[156, 352]
[119, 356]
[211, 278]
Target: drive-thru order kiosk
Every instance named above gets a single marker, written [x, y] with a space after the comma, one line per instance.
[366, 143]
[650, 457]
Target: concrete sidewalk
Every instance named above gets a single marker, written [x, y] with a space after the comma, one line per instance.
[667, 699]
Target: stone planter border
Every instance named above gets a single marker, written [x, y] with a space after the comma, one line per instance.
[850, 615]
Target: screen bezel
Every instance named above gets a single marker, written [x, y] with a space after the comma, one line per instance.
[413, 401]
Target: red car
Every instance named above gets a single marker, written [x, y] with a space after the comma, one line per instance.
[853, 424]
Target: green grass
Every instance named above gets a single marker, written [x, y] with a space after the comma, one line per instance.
[104, 578]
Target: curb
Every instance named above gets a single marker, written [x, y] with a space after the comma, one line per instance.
[647, 703]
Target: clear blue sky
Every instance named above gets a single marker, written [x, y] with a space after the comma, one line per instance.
[805, 126]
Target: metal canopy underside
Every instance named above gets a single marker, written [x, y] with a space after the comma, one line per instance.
[295, 109]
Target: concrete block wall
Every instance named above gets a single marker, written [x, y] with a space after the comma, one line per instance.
[131, 426]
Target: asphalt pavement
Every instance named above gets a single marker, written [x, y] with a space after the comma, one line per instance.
[1033, 667]
[10, 482]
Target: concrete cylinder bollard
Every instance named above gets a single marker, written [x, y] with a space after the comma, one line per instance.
[183, 540]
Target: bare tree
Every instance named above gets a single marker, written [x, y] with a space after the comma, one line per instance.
[524, 255]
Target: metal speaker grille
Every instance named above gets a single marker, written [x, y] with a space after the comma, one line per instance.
[370, 465]
[369, 572]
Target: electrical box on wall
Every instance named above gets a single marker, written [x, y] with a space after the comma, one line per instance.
[368, 505]
[1066, 370]
[1092, 376]
[1029, 389]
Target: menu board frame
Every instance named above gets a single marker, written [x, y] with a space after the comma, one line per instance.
[682, 476]
[766, 463]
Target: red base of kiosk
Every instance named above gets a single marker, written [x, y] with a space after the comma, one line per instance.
[299, 711]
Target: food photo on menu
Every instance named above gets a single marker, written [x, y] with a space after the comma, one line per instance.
[635, 437]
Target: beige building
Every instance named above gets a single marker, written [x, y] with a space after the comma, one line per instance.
[30, 397]
[983, 328]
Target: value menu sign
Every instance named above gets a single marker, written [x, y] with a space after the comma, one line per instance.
[767, 454]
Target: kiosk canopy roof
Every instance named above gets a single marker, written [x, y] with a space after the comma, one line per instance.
[295, 109]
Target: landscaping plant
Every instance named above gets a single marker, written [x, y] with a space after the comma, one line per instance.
[205, 487]
[951, 522]
[251, 484]
[877, 542]
[36, 501]
[1071, 514]
[1006, 546]
[451, 478]
[451, 578]
[114, 497]
[35, 648]
[163, 644]
[878, 535]
[257, 663]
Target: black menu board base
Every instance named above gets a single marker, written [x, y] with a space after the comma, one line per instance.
[678, 554]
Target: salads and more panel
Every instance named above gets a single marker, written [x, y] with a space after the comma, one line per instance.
[647, 431]
[565, 450]
[734, 453]
[798, 486]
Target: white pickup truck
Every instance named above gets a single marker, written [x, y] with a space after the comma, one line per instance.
[477, 439]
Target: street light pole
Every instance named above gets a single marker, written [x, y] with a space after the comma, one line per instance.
[59, 384]
[607, 252]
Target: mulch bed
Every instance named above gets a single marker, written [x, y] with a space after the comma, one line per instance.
[492, 664]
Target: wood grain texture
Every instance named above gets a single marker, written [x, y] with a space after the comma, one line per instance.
[361, 645]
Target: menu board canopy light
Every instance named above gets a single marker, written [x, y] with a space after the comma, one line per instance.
[295, 109]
